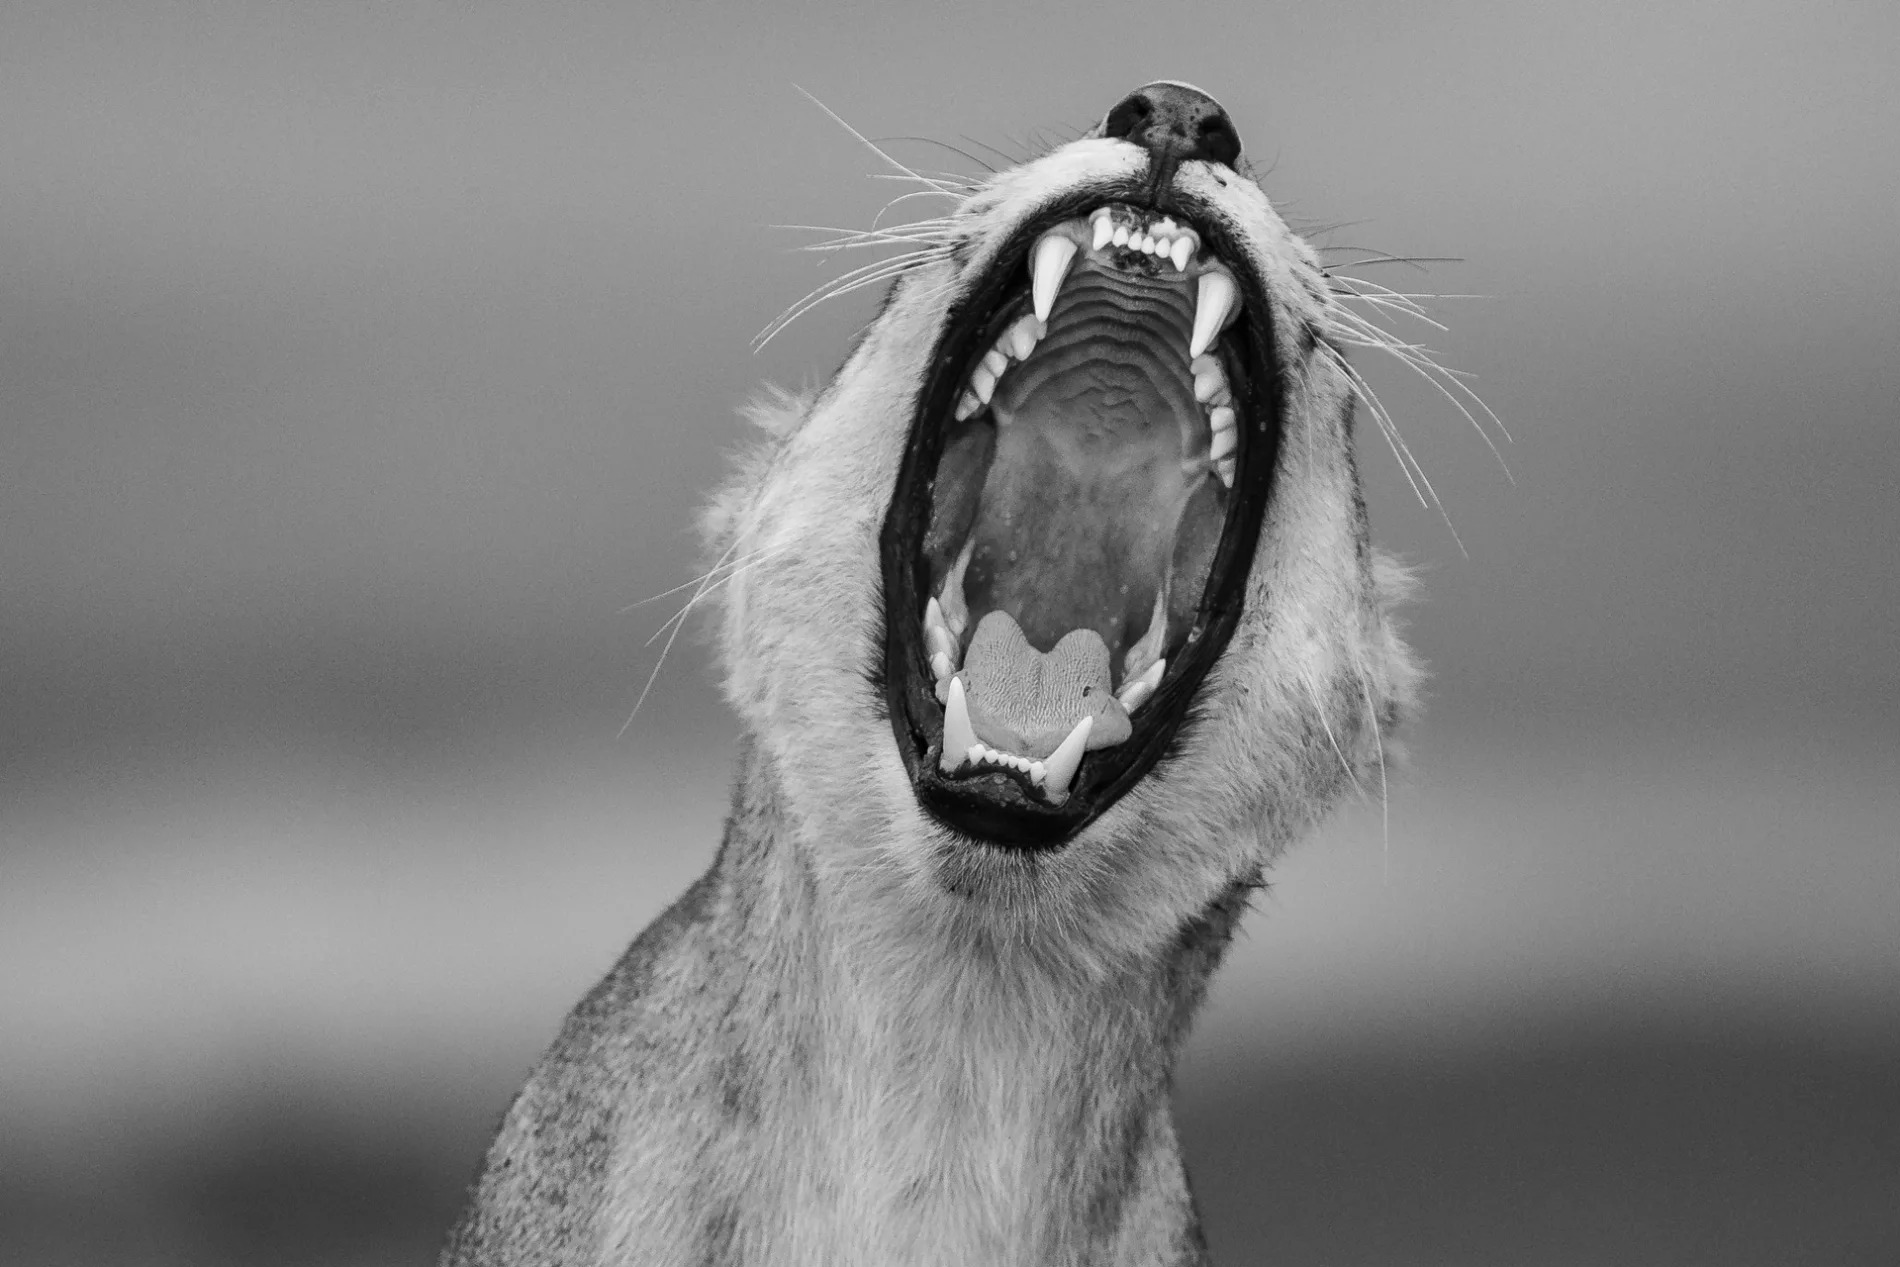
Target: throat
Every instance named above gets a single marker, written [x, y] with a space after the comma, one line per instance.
[1079, 516]
[966, 1088]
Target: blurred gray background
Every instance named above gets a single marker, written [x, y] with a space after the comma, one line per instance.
[361, 363]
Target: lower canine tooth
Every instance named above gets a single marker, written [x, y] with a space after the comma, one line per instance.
[958, 735]
[1059, 766]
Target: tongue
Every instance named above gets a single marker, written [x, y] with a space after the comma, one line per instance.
[1025, 702]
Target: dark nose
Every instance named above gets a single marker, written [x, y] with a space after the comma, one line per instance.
[1174, 122]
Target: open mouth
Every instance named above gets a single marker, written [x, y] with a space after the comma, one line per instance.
[1070, 536]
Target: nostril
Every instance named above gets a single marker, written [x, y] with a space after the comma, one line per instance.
[1219, 140]
[1128, 115]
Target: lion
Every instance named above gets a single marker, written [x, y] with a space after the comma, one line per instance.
[1050, 621]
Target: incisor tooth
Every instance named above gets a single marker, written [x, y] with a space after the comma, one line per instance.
[958, 735]
[1053, 255]
[940, 666]
[1059, 766]
[1121, 235]
[1215, 300]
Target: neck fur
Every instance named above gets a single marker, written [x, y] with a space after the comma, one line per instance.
[946, 1094]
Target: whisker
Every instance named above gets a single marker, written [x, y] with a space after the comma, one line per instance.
[710, 572]
[931, 140]
[856, 279]
[1319, 710]
[867, 141]
[1380, 257]
[1009, 160]
[1396, 442]
[917, 193]
[1424, 363]
[677, 621]
[1421, 362]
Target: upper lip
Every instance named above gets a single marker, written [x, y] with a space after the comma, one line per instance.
[1008, 814]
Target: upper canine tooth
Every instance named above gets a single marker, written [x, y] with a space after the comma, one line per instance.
[1053, 255]
[958, 735]
[1059, 766]
[1104, 230]
[1214, 302]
